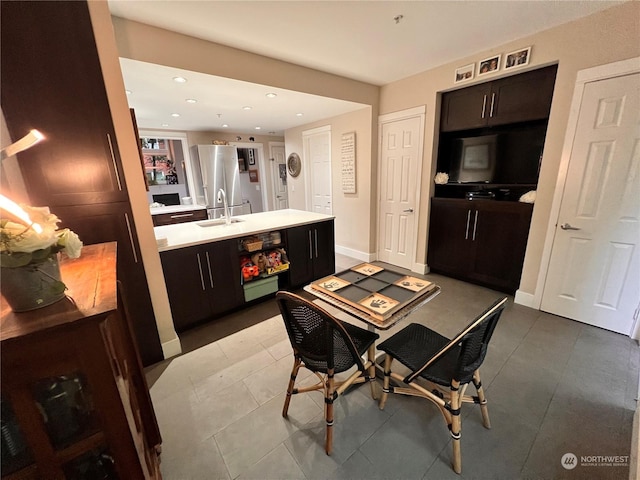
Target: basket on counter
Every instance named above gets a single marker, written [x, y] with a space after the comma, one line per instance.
[252, 244]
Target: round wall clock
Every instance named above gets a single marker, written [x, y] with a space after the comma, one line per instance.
[294, 164]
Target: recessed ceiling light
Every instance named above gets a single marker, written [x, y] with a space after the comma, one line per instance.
[175, 114]
[246, 107]
[128, 92]
[299, 114]
[179, 79]
[165, 124]
[224, 125]
[272, 133]
[271, 95]
[191, 100]
[258, 128]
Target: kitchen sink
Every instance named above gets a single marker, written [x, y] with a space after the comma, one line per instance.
[217, 222]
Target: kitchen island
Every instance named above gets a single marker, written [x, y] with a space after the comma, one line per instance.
[201, 260]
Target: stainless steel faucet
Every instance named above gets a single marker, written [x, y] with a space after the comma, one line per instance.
[222, 197]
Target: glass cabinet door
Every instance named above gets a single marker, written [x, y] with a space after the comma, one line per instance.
[15, 452]
[66, 406]
[93, 465]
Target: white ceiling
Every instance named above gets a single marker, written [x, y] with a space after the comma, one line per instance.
[354, 39]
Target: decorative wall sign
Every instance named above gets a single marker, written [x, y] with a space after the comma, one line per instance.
[253, 176]
[348, 158]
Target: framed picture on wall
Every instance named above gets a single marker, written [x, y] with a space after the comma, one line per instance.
[488, 65]
[519, 58]
[253, 176]
[465, 73]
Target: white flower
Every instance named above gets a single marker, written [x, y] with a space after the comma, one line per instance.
[441, 178]
[21, 244]
[70, 242]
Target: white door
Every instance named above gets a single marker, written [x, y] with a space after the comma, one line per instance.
[279, 177]
[594, 268]
[317, 149]
[400, 167]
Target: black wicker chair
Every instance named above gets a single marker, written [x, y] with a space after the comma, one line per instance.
[326, 346]
[442, 363]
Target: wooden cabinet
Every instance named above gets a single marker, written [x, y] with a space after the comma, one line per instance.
[179, 217]
[52, 80]
[519, 98]
[311, 251]
[75, 402]
[202, 281]
[482, 241]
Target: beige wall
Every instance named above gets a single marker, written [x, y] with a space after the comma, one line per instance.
[354, 212]
[602, 38]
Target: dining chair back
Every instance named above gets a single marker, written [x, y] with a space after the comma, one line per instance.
[437, 361]
[326, 346]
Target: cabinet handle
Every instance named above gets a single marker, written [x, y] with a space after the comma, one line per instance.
[484, 105]
[209, 267]
[475, 224]
[182, 215]
[200, 268]
[133, 245]
[115, 164]
[315, 232]
[310, 247]
[466, 232]
[493, 98]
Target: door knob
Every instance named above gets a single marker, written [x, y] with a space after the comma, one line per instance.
[566, 226]
[408, 210]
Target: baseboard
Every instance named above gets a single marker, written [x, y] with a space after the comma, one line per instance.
[634, 461]
[524, 298]
[421, 268]
[171, 348]
[357, 254]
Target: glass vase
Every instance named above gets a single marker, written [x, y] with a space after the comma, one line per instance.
[32, 286]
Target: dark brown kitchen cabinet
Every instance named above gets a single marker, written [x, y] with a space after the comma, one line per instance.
[519, 98]
[179, 217]
[52, 80]
[202, 281]
[311, 252]
[482, 241]
[75, 402]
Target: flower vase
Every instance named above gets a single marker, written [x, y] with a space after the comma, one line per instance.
[32, 286]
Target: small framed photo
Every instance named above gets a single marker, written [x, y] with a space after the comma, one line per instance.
[253, 176]
[252, 161]
[488, 65]
[465, 73]
[519, 58]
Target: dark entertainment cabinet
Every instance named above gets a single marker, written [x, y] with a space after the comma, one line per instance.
[478, 230]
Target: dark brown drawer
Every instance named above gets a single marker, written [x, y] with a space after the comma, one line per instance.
[179, 217]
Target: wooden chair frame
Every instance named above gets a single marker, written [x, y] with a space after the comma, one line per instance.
[449, 401]
[332, 389]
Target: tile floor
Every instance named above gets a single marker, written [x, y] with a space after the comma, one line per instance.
[554, 386]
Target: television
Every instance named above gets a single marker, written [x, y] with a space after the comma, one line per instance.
[474, 159]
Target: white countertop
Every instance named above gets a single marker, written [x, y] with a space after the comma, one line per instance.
[175, 209]
[188, 234]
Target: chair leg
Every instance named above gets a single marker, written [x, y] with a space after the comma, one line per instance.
[328, 411]
[387, 377]
[371, 355]
[482, 400]
[292, 380]
[456, 426]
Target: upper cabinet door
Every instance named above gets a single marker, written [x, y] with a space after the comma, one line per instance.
[523, 97]
[52, 81]
[466, 108]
